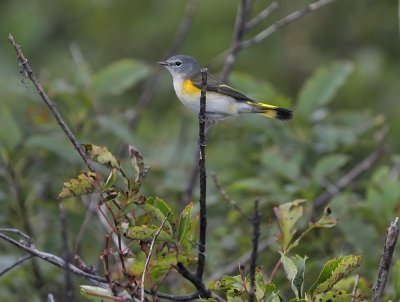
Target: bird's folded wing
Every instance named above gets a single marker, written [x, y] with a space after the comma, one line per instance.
[214, 85]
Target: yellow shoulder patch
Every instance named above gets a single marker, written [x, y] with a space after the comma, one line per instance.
[189, 88]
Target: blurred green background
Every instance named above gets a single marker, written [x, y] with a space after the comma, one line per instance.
[94, 58]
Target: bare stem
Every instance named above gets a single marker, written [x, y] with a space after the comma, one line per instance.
[203, 177]
[392, 233]
[284, 22]
[27, 70]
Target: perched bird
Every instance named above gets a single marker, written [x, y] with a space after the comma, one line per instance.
[222, 100]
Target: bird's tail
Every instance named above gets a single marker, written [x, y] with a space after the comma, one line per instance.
[275, 112]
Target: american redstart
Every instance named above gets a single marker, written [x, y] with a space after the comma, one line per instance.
[222, 100]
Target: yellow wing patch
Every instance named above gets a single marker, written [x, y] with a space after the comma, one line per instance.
[189, 88]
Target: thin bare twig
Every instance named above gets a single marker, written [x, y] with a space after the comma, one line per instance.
[392, 233]
[26, 68]
[146, 264]
[15, 264]
[353, 174]
[265, 13]
[17, 190]
[284, 22]
[254, 251]
[354, 292]
[53, 259]
[228, 198]
[203, 177]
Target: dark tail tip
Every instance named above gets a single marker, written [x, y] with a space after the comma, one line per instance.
[284, 114]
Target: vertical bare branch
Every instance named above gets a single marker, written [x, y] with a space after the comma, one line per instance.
[392, 233]
[203, 177]
[254, 251]
[146, 264]
[242, 15]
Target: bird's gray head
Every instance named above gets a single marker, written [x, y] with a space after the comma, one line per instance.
[181, 66]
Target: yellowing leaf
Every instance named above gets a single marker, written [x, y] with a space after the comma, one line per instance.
[287, 215]
[334, 296]
[146, 233]
[333, 271]
[101, 155]
[85, 183]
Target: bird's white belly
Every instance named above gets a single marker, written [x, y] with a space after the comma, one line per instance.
[217, 105]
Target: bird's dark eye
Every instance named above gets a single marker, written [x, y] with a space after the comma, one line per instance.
[177, 63]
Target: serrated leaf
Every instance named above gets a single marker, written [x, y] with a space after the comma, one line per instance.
[321, 88]
[147, 233]
[97, 294]
[118, 77]
[101, 155]
[329, 164]
[287, 215]
[294, 268]
[333, 271]
[85, 183]
[185, 222]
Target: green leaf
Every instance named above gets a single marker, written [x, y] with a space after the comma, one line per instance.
[97, 294]
[185, 222]
[85, 183]
[101, 155]
[333, 271]
[10, 134]
[157, 216]
[164, 208]
[118, 77]
[329, 164]
[294, 268]
[287, 215]
[147, 233]
[321, 88]
[110, 180]
[334, 296]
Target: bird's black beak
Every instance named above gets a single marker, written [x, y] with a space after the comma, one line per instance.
[163, 63]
